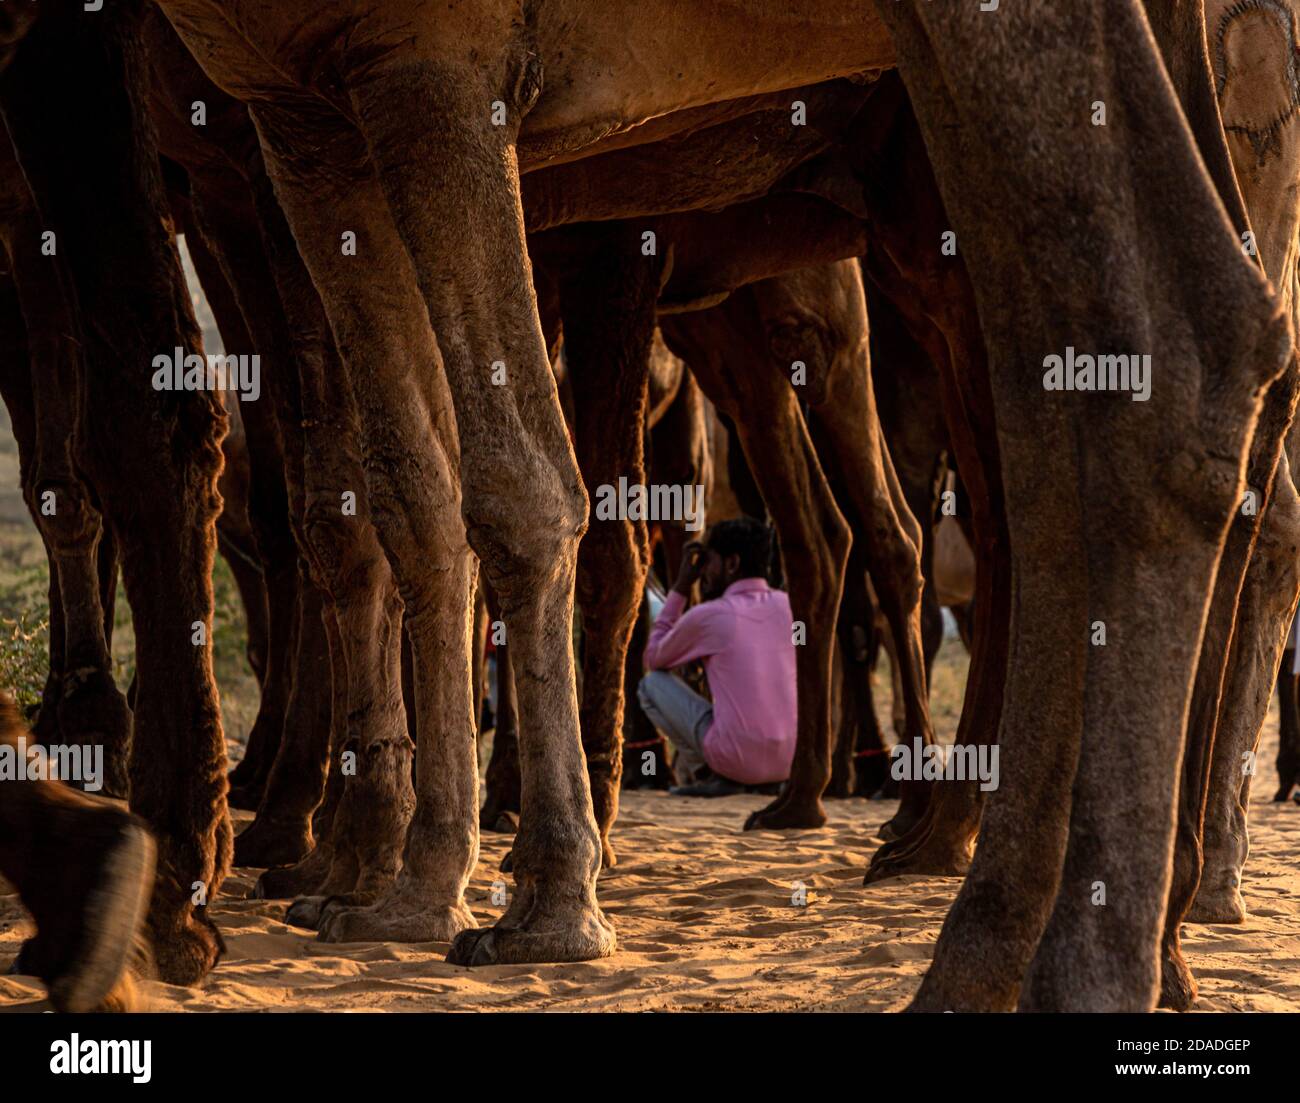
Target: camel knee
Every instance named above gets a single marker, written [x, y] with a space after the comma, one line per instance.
[68, 520]
[527, 552]
[337, 553]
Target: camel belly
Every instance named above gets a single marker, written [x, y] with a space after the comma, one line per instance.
[613, 68]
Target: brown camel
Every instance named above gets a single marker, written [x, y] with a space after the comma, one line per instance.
[153, 457]
[416, 230]
[401, 214]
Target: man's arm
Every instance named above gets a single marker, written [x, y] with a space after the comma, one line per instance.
[677, 639]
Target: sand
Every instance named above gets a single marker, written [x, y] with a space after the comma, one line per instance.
[707, 920]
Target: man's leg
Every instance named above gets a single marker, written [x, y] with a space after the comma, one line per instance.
[682, 715]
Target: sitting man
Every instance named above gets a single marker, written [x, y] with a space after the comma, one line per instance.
[742, 633]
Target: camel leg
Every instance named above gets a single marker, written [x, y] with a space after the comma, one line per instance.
[153, 457]
[842, 400]
[408, 441]
[608, 301]
[521, 493]
[1084, 499]
[1288, 745]
[1268, 600]
[343, 574]
[729, 355]
[502, 781]
[231, 282]
[1224, 717]
[934, 300]
[91, 710]
[854, 770]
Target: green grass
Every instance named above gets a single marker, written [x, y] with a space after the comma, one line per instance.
[25, 632]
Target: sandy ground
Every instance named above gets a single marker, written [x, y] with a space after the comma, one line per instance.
[706, 921]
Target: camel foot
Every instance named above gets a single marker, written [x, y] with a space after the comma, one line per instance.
[506, 823]
[186, 952]
[302, 879]
[902, 822]
[839, 787]
[395, 921]
[1217, 906]
[495, 812]
[266, 843]
[306, 911]
[1283, 793]
[932, 856]
[247, 798]
[85, 952]
[786, 813]
[1177, 985]
[590, 937]
[608, 859]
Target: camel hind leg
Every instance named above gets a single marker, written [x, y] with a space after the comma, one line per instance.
[726, 350]
[608, 300]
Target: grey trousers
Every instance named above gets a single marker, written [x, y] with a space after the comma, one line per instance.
[682, 715]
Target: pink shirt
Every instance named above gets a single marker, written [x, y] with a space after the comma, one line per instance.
[744, 639]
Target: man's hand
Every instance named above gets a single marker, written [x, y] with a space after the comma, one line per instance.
[692, 564]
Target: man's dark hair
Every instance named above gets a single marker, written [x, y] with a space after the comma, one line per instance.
[747, 538]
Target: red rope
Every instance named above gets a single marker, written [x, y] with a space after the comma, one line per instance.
[643, 744]
[872, 754]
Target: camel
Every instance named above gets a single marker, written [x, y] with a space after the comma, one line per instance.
[417, 221]
[452, 243]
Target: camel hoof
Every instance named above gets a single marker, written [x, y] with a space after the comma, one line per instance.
[247, 798]
[608, 859]
[508, 862]
[186, 955]
[1177, 985]
[507, 823]
[263, 844]
[376, 924]
[590, 938]
[286, 882]
[1217, 907]
[306, 911]
[899, 825]
[785, 817]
